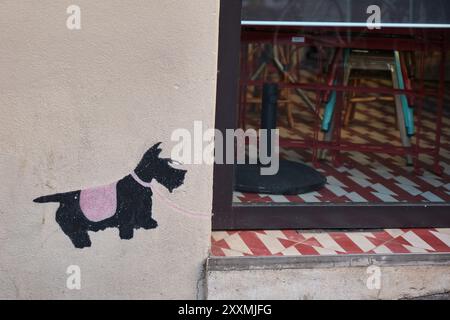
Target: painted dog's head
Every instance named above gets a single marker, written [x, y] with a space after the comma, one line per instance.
[153, 167]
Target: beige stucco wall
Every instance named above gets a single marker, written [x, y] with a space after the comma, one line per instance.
[78, 109]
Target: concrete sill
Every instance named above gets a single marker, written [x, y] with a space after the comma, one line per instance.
[342, 277]
[333, 261]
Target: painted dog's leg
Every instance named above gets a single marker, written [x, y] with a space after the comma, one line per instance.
[150, 224]
[144, 214]
[126, 232]
[126, 219]
[72, 226]
[144, 219]
[126, 224]
[80, 239]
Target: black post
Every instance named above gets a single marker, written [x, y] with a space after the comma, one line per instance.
[269, 111]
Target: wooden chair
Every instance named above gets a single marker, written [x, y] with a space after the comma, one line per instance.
[365, 61]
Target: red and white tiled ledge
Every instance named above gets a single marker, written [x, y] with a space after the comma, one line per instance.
[298, 242]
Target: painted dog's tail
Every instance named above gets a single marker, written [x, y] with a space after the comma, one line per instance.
[58, 197]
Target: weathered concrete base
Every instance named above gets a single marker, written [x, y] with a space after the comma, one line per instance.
[342, 277]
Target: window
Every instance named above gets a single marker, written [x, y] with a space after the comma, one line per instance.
[361, 112]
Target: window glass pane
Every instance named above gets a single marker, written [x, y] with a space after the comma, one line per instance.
[393, 11]
[362, 111]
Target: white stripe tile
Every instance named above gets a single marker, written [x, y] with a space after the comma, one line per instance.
[403, 180]
[237, 193]
[416, 241]
[431, 197]
[325, 251]
[231, 253]
[279, 198]
[334, 181]
[445, 238]
[431, 175]
[383, 173]
[276, 234]
[291, 251]
[361, 241]
[446, 167]
[236, 199]
[394, 233]
[263, 195]
[272, 244]
[382, 189]
[219, 235]
[415, 249]
[409, 188]
[342, 169]
[328, 242]
[358, 174]
[236, 243]
[435, 182]
[337, 190]
[443, 230]
[361, 159]
[366, 234]
[378, 166]
[384, 197]
[382, 250]
[361, 181]
[354, 197]
[308, 234]
[310, 197]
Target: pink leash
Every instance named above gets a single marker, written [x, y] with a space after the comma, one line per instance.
[167, 201]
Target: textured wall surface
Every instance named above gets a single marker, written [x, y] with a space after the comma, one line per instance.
[396, 282]
[79, 108]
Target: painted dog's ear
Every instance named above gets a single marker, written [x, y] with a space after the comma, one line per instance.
[154, 151]
[149, 157]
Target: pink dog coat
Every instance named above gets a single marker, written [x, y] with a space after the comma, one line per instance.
[99, 203]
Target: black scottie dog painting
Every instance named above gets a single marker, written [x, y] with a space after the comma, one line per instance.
[125, 204]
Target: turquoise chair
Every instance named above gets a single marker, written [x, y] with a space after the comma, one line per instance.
[407, 110]
[329, 107]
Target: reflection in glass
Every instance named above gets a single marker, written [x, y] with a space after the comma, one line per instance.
[338, 103]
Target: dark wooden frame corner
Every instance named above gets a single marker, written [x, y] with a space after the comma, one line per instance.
[227, 216]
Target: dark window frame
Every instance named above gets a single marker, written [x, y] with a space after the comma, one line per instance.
[227, 216]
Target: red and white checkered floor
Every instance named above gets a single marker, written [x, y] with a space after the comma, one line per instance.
[370, 177]
[297, 243]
